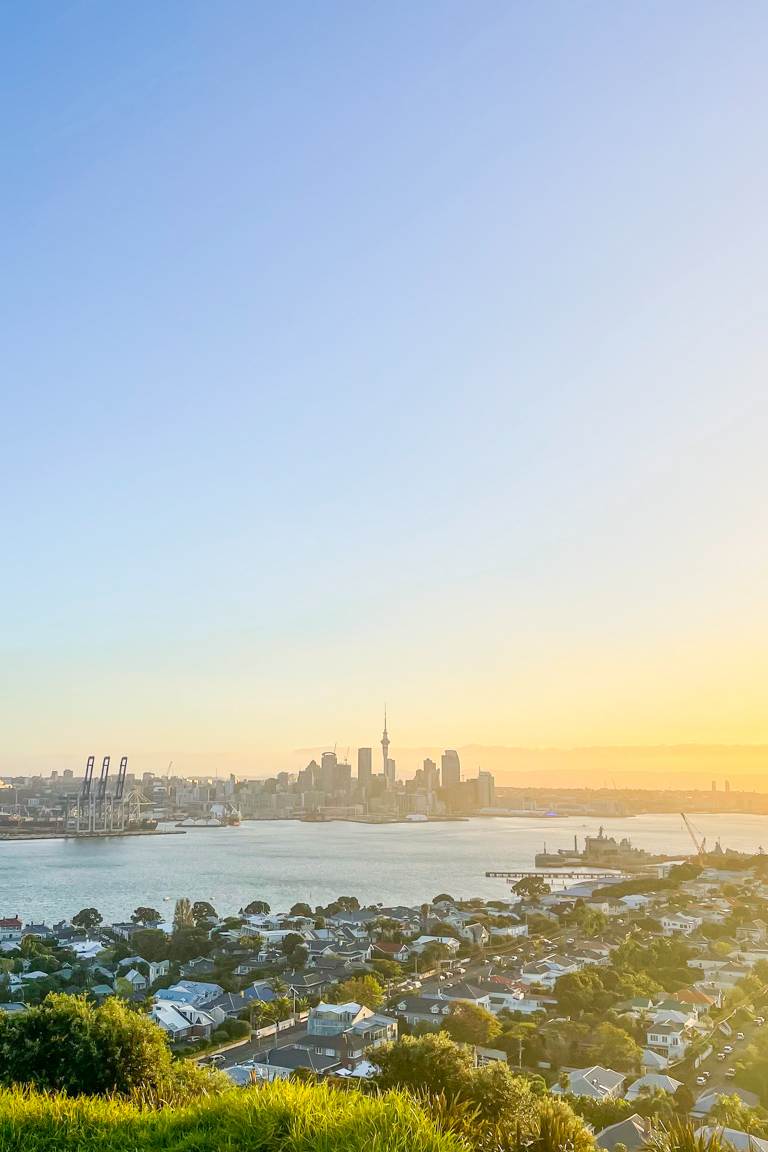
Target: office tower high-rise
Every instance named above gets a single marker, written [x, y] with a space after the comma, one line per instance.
[727, 785]
[714, 785]
[431, 775]
[450, 768]
[364, 767]
[486, 790]
[328, 763]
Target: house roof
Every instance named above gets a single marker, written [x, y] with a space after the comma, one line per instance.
[294, 1057]
[652, 1081]
[741, 1141]
[629, 1132]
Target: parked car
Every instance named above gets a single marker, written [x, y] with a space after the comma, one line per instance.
[701, 1079]
[730, 1073]
[739, 1035]
[721, 1056]
[727, 1048]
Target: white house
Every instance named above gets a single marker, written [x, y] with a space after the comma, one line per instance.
[670, 1039]
[596, 1082]
[678, 924]
[652, 1082]
[422, 942]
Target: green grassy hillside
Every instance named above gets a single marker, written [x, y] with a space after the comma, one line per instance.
[282, 1117]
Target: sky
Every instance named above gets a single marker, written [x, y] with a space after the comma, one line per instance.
[357, 352]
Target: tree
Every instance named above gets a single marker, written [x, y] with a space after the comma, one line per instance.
[256, 908]
[298, 958]
[443, 898]
[188, 943]
[679, 1136]
[348, 903]
[472, 1024]
[183, 917]
[147, 917]
[150, 943]
[290, 943]
[531, 888]
[88, 919]
[69, 1045]
[203, 913]
[612, 1047]
[301, 909]
[365, 990]
[429, 1063]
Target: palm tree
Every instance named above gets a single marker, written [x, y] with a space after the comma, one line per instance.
[681, 1136]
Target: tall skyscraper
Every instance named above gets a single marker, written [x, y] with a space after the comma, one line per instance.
[388, 765]
[486, 790]
[450, 768]
[431, 775]
[364, 767]
[328, 771]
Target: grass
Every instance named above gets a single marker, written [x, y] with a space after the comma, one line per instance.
[281, 1117]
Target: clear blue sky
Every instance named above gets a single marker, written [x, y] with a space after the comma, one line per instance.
[363, 351]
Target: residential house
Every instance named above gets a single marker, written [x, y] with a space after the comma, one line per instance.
[10, 930]
[281, 1063]
[680, 924]
[596, 1082]
[631, 1134]
[182, 1021]
[731, 1138]
[421, 942]
[650, 1083]
[416, 1010]
[669, 1039]
[193, 992]
[384, 949]
[708, 1099]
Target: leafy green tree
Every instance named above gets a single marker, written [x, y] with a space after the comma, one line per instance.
[87, 918]
[188, 943]
[348, 903]
[365, 990]
[147, 917]
[256, 908]
[299, 957]
[203, 913]
[150, 943]
[443, 898]
[732, 1112]
[612, 1047]
[301, 909]
[531, 888]
[69, 1045]
[290, 943]
[472, 1024]
[425, 1063]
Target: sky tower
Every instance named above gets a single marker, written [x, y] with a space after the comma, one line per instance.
[385, 749]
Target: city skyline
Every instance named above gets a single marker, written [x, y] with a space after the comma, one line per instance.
[332, 382]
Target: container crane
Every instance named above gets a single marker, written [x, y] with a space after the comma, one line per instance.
[699, 845]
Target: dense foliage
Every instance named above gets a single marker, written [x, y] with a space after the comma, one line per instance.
[68, 1045]
[281, 1117]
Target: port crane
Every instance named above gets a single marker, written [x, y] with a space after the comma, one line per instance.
[699, 845]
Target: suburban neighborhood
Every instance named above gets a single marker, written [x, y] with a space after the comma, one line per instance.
[635, 1000]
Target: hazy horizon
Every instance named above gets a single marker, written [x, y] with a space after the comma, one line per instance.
[359, 353]
[654, 767]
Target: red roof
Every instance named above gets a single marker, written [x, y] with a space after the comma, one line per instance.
[10, 922]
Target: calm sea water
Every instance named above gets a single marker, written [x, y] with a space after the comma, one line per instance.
[286, 861]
